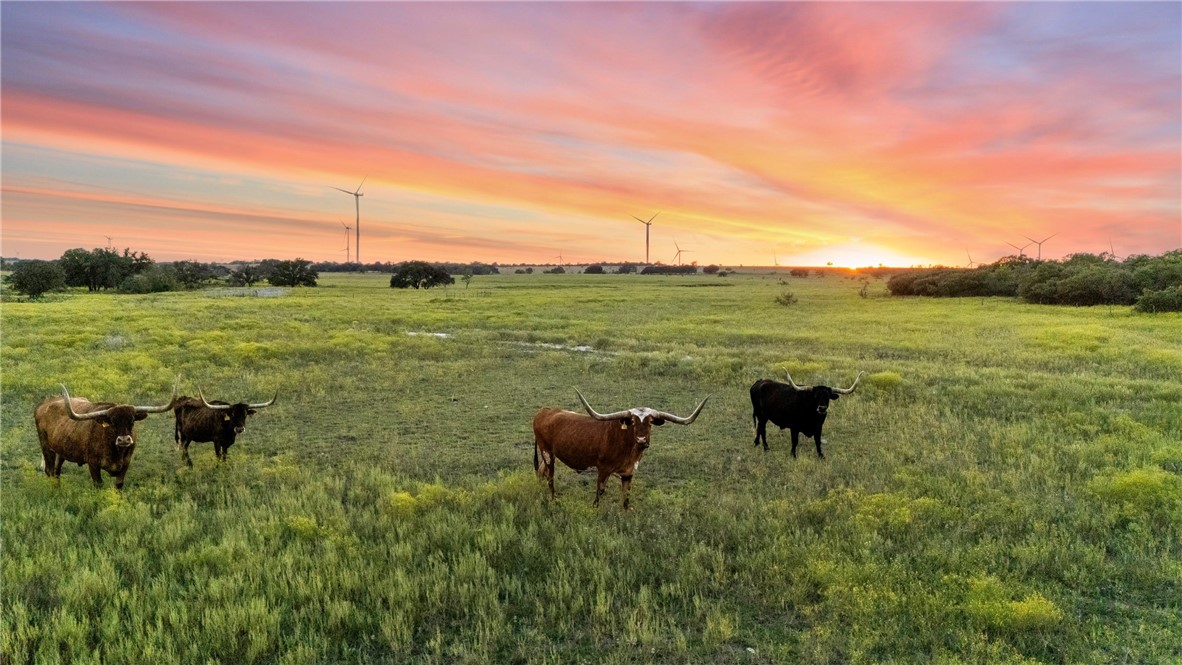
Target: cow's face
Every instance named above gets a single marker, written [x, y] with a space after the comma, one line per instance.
[823, 395]
[640, 423]
[235, 417]
[121, 419]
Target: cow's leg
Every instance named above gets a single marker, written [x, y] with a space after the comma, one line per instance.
[58, 461]
[817, 438]
[96, 474]
[544, 464]
[183, 446]
[763, 433]
[119, 479]
[601, 484]
[795, 440]
[626, 488]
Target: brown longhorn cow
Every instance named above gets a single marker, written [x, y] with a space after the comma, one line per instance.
[613, 443]
[99, 435]
[220, 422]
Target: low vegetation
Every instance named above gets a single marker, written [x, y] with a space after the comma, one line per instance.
[1004, 487]
[1081, 279]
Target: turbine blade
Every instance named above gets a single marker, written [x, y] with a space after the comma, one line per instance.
[650, 219]
[342, 190]
[362, 182]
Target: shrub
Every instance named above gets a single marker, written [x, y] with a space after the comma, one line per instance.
[245, 276]
[711, 269]
[626, 269]
[154, 280]
[593, 270]
[799, 272]
[35, 278]
[1165, 300]
[786, 299]
[556, 270]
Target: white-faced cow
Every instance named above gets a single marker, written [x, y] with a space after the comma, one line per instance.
[203, 421]
[612, 443]
[99, 435]
[789, 406]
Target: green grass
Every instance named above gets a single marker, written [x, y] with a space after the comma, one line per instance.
[1004, 486]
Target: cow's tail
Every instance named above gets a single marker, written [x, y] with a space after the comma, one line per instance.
[535, 456]
[41, 464]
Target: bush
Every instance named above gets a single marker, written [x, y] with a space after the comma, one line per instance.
[245, 276]
[297, 272]
[593, 270]
[556, 270]
[35, 278]
[1166, 300]
[786, 299]
[419, 275]
[711, 269]
[626, 269]
[799, 272]
[154, 280]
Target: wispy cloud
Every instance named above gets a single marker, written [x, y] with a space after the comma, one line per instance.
[500, 131]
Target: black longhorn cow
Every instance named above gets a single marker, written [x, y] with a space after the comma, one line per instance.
[789, 406]
[220, 422]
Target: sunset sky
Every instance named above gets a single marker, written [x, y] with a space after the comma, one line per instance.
[803, 133]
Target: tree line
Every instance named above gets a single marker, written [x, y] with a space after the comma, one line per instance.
[1148, 283]
[104, 269]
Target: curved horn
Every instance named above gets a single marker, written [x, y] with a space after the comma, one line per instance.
[215, 407]
[793, 383]
[161, 409]
[846, 391]
[687, 420]
[264, 404]
[84, 416]
[600, 416]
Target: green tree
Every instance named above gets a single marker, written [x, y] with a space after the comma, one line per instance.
[419, 275]
[192, 274]
[297, 272]
[34, 278]
[245, 276]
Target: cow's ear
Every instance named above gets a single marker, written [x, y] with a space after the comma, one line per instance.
[624, 422]
[140, 415]
[251, 412]
[834, 395]
[658, 421]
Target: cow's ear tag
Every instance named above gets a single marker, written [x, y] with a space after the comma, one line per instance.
[623, 425]
[225, 417]
[106, 424]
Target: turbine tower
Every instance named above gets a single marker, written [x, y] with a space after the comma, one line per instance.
[1039, 243]
[677, 256]
[647, 227]
[971, 261]
[1020, 249]
[347, 229]
[357, 204]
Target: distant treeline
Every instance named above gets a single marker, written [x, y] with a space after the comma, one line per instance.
[1149, 283]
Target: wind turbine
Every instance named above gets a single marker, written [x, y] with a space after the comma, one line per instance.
[1020, 249]
[647, 227]
[1112, 251]
[677, 256]
[559, 257]
[971, 261]
[357, 201]
[1039, 243]
[347, 229]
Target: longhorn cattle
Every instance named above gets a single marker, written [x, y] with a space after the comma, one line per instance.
[203, 421]
[99, 435]
[612, 443]
[789, 406]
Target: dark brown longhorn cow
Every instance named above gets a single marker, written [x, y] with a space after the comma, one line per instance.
[99, 435]
[220, 422]
[612, 443]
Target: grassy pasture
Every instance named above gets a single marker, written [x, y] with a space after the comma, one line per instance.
[1005, 486]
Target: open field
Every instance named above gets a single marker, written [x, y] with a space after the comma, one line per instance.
[1004, 486]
